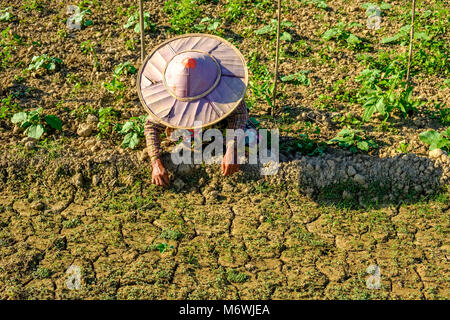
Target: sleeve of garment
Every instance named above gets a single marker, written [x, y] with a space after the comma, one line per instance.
[238, 119]
[152, 132]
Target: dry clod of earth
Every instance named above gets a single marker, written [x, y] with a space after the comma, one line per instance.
[85, 129]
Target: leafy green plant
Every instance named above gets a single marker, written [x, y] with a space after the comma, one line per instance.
[297, 78]
[115, 86]
[105, 118]
[352, 140]
[208, 24]
[260, 83]
[370, 7]
[7, 105]
[322, 4]
[341, 34]
[271, 30]
[133, 22]
[33, 123]
[402, 37]
[79, 17]
[183, 14]
[133, 130]
[383, 88]
[6, 15]
[87, 47]
[234, 9]
[436, 140]
[124, 68]
[44, 62]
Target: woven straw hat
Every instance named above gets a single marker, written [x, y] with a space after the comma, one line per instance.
[190, 78]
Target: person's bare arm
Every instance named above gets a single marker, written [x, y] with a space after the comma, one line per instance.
[237, 120]
[153, 131]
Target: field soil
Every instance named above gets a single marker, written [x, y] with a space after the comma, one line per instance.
[313, 231]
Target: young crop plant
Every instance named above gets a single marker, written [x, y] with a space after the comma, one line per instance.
[271, 30]
[298, 78]
[436, 140]
[78, 18]
[260, 83]
[402, 37]
[208, 24]
[44, 62]
[321, 4]
[133, 130]
[105, 118]
[115, 86]
[35, 124]
[383, 88]
[6, 15]
[7, 106]
[341, 34]
[183, 14]
[234, 9]
[352, 140]
[87, 47]
[133, 22]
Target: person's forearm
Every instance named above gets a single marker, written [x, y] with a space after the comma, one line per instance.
[152, 131]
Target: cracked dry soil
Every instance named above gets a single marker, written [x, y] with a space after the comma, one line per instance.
[214, 239]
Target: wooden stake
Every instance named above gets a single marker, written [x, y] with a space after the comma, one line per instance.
[141, 22]
[274, 97]
[411, 40]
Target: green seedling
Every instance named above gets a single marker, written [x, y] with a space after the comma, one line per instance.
[44, 62]
[133, 22]
[33, 124]
[271, 30]
[298, 78]
[133, 130]
[436, 140]
[352, 140]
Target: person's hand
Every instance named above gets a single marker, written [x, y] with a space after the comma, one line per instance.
[229, 162]
[159, 174]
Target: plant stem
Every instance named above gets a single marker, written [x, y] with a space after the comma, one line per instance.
[411, 40]
[141, 22]
[272, 109]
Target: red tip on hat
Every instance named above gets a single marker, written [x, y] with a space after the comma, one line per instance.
[189, 63]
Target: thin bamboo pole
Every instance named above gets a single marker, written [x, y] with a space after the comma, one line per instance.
[274, 97]
[141, 22]
[411, 40]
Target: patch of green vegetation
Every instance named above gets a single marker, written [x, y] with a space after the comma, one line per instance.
[171, 234]
[183, 14]
[133, 130]
[42, 273]
[353, 140]
[436, 140]
[44, 62]
[6, 15]
[298, 78]
[72, 223]
[383, 88]
[8, 106]
[342, 35]
[106, 116]
[270, 30]
[133, 22]
[33, 123]
[236, 276]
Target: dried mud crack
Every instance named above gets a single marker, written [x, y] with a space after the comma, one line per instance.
[244, 237]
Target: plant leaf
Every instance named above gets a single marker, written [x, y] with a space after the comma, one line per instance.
[35, 131]
[19, 117]
[54, 122]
